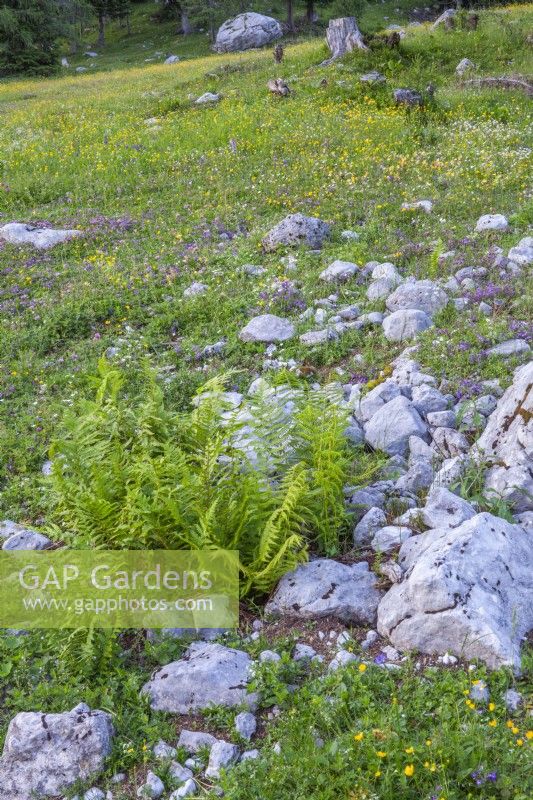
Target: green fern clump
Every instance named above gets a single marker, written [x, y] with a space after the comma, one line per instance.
[133, 474]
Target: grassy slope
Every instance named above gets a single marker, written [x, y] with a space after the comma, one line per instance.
[158, 204]
[76, 150]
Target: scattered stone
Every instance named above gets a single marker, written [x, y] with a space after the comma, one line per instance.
[40, 238]
[352, 236]
[441, 419]
[407, 97]
[195, 741]
[45, 754]
[450, 442]
[381, 288]
[326, 588]
[418, 477]
[386, 270]
[372, 77]
[313, 338]
[405, 324]
[195, 289]
[390, 537]
[424, 205]
[268, 655]
[222, 755]
[423, 295]
[464, 65]
[65, 62]
[247, 31]
[447, 18]
[207, 674]
[393, 424]
[207, 98]
[342, 659]
[162, 750]
[253, 270]
[153, 787]
[178, 773]
[522, 253]
[188, 789]
[369, 640]
[366, 528]
[172, 60]
[513, 347]
[444, 509]
[492, 222]
[250, 755]
[245, 724]
[339, 271]
[508, 441]
[94, 794]
[296, 229]
[448, 660]
[303, 652]
[466, 591]
[427, 399]
[26, 539]
[267, 328]
[376, 399]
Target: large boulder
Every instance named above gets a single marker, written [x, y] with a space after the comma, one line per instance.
[425, 296]
[40, 238]
[326, 588]
[45, 754]
[507, 442]
[297, 229]
[466, 591]
[393, 424]
[208, 674]
[246, 32]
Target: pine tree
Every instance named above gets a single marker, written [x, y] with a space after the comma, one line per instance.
[29, 30]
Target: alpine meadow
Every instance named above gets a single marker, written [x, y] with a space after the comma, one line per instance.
[266, 289]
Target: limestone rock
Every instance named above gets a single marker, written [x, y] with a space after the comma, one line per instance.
[45, 754]
[508, 441]
[40, 238]
[247, 31]
[326, 588]
[339, 271]
[492, 222]
[393, 424]
[267, 328]
[405, 324]
[208, 674]
[297, 229]
[425, 296]
[444, 509]
[522, 253]
[466, 591]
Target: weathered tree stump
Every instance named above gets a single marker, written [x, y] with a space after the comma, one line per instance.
[343, 36]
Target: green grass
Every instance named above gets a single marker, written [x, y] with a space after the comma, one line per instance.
[158, 204]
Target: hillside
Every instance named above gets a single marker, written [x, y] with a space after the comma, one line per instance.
[175, 201]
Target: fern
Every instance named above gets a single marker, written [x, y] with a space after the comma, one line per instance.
[133, 474]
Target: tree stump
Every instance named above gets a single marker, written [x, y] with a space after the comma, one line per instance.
[343, 36]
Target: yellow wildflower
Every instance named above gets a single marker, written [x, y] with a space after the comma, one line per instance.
[409, 770]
